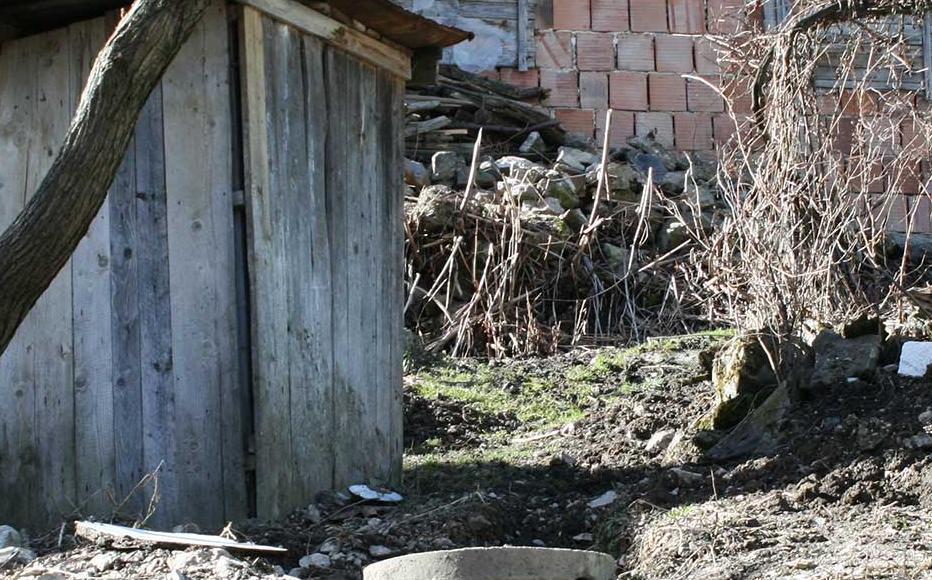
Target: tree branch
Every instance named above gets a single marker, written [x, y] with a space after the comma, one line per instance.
[45, 234]
[824, 13]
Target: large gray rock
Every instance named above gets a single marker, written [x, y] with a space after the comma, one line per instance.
[575, 159]
[16, 554]
[487, 175]
[560, 188]
[523, 191]
[416, 175]
[838, 359]
[496, 564]
[444, 166]
[10, 537]
[437, 206]
[741, 371]
[520, 168]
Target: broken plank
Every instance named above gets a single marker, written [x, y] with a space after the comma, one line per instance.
[95, 531]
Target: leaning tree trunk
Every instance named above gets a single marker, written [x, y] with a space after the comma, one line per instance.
[42, 238]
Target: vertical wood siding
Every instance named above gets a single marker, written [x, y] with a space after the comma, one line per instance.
[326, 282]
[129, 359]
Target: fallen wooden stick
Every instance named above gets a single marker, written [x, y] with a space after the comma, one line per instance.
[94, 531]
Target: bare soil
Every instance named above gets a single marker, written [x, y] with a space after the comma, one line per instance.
[846, 495]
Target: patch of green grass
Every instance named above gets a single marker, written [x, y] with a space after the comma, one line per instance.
[535, 401]
[679, 512]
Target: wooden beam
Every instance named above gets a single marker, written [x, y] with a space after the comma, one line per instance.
[522, 35]
[363, 46]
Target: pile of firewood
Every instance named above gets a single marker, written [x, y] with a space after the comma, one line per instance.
[446, 116]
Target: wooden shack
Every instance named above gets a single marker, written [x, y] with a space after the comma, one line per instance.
[231, 323]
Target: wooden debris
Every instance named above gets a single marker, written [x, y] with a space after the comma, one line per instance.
[96, 531]
[446, 116]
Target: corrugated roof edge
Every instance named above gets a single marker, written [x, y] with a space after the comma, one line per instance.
[399, 25]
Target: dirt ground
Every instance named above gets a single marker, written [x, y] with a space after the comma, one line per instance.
[602, 449]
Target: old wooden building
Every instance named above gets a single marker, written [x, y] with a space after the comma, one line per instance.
[232, 320]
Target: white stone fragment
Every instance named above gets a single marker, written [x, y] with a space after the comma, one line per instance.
[915, 359]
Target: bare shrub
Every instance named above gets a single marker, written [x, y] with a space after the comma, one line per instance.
[812, 179]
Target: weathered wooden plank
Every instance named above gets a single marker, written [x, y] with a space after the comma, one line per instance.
[269, 359]
[18, 453]
[365, 271]
[353, 431]
[352, 41]
[154, 302]
[391, 333]
[343, 118]
[523, 25]
[311, 352]
[197, 126]
[274, 454]
[124, 297]
[93, 387]
[50, 338]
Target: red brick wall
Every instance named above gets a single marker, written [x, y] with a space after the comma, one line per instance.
[632, 55]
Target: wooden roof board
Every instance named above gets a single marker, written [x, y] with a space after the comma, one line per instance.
[24, 17]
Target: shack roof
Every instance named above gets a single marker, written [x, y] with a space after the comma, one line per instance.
[24, 17]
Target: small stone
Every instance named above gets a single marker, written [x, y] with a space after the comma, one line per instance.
[188, 528]
[175, 575]
[329, 547]
[687, 478]
[443, 166]
[920, 441]
[538, 543]
[183, 560]
[312, 514]
[379, 551]
[10, 537]
[316, 560]
[915, 358]
[103, 562]
[603, 500]
[575, 158]
[925, 418]
[17, 554]
[576, 219]
[518, 167]
[416, 174]
[562, 189]
[671, 235]
[659, 441]
[225, 565]
[487, 175]
[617, 258]
[297, 572]
[583, 538]
[533, 144]
[673, 182]
[524, 192]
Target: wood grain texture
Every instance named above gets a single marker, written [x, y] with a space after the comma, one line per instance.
[18, 448]
[197, 126]
[50, 337]
[310, 291]
[154, 303]
[93, 387]
[363, 46]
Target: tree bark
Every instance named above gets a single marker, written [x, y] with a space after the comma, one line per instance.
[45, 234]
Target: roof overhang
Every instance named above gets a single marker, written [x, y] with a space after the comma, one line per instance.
[24, 17]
